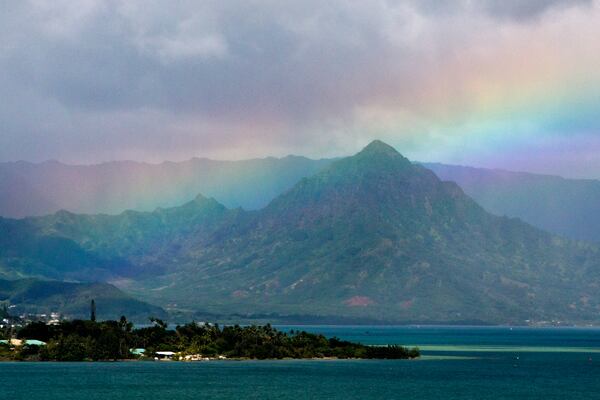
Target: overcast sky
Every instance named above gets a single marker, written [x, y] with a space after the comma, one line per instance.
[497, 83]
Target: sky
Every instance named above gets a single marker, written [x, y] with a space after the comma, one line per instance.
[494, 83]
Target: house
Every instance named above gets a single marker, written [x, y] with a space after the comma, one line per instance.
[137, 352]
[164, 355]
[195, 357]
[54, 319]
[34, 342]
[22, 342]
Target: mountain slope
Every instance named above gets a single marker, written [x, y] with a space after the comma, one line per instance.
[567, 207]
[100, 247]
[375, 236]
[73, 299]
[371, 236]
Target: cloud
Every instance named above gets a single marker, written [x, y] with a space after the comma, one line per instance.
[96, 80]
[522, 10]
[518, 10]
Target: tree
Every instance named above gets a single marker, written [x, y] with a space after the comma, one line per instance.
[4, 311]
[159, 322]
[93, 311]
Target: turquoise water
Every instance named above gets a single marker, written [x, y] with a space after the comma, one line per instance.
[459, 363]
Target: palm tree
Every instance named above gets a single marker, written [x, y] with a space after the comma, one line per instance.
[93, 311]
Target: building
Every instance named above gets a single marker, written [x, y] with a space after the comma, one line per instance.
[137, 352]
[23, 342]
[164, 355]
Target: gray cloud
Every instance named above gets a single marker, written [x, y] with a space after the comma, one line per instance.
[522, 10]
[519, 10]
[128, 57]
[93, 80]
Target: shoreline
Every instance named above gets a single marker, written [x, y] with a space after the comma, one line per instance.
[212, 360]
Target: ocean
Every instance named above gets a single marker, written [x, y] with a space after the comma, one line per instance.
[457, 363]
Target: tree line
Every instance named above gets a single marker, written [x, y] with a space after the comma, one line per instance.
[79, 340]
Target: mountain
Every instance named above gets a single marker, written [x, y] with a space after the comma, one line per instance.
[100, 247]
[376, 236]
[567, 207]
[72, 300]
[372, 236]
[39, 189]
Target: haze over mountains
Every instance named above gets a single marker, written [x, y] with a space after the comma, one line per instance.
[567, 207]
[369, 236]
[40, 189]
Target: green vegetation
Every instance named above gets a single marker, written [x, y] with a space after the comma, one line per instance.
[371, 236]
[375, 236]
[112, 340]
[4, 311]
[97, 247]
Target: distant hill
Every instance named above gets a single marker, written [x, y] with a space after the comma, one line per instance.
[28, 189]
[567, 207]
[80, 247]
[73, 299]
[372, 236]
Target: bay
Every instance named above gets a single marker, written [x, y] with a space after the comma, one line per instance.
[458, 363]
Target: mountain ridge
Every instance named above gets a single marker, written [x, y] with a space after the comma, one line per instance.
[41, 189]
[369, 236]
[567, 207]
[284, 245]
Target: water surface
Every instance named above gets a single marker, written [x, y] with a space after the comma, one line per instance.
[459, 363]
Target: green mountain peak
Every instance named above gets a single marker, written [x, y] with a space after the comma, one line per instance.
[200, 198]
[377, 154]
[380, 148]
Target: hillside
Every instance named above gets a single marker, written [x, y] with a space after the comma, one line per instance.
[567, 207]
[100, 247]
[372, 236]
[72, 300]
[375, 236]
